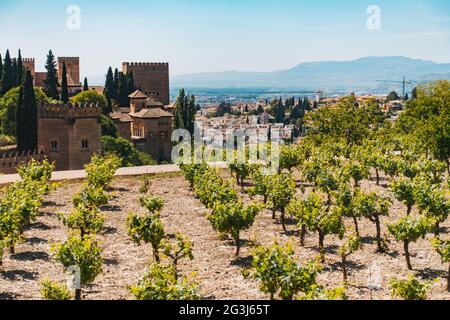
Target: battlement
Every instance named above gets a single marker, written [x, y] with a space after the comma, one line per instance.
[10, 161]
[28, 60]
[146, 64]
[68, 110]
[75, 59]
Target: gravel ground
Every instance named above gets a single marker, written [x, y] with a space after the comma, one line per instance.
[215, 266]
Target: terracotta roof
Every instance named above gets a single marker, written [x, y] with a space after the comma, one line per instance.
[152, 102]
[138, 95]
[121, 117]
[151, 113]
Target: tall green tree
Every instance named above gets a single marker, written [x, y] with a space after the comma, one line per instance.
[122, 98]
[64, 87]
[1, 71]
[279, 112]
[185, 110]
[130, 83]
[116, 82]
[7, 74]
[109, 83]
[20, 69]
[14, 75]
[85, 84]
[51, 80]
[27, 117]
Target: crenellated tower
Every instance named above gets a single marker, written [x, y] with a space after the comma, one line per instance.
[69, 134]
[152, 78]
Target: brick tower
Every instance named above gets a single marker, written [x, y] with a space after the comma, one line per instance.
[73, 69]
[150, 78]
[69, 134]
[29, 64]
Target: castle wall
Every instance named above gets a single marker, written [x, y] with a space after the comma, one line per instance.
[150, 78]
[29, 64]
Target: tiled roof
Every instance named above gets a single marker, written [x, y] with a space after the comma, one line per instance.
[138, 95]
[152, 102]
[151, 113]
[121, 117]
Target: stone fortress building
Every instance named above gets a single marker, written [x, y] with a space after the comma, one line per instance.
[150, 78]
[69, 134]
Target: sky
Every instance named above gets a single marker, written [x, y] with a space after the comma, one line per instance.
[218, 35]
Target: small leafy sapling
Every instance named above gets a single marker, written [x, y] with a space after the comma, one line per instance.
[278, 273]
[407, 230]
[316, 215]
[100, 171]
[86, 217]
[345, 204]
[403, 189]
[282, 190]
[55, 291]
[261, 185]
[40, 172]
[357, 171]
[432, 201]
[210, 188]
[83, 253]
[372, 207]
[350, 246]
[191, 170]
[410, 289]
[147, 228]
[289, 158]
[145, 184]
[232, 218]
[443, 249]
[181, 249]
[161, 282]
[241, 170]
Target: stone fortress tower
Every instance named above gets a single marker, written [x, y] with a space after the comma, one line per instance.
[73, 70]
[152, 78]
[69, 134]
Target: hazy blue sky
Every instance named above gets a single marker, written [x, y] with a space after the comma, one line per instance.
[216, 35]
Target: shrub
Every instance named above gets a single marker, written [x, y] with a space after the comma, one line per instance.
[55, 291]
[162, 283]
[83, 253]
[100, 171]
[233, 217]
[410, 289]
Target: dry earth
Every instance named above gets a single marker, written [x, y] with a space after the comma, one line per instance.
[215, 266]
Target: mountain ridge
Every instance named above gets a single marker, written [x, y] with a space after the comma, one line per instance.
[361, 74]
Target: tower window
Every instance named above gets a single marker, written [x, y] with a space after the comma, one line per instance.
[54, 146]
[84, 144]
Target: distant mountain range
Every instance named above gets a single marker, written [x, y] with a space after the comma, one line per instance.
[359, 75]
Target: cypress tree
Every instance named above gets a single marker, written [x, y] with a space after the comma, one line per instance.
[123, 91]
[19, 121]
[19, 69]
[27, 117]
[7, 74]
[109, 105]
[64, 88]
[179, 110]
[51, 80]
[85, 85]
[191, 119]
[115, 90]
[109, 82]
[130, 83]
[14, 70]
[1, 70]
